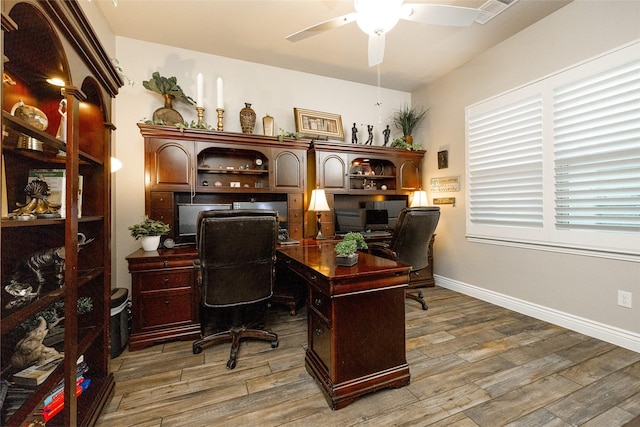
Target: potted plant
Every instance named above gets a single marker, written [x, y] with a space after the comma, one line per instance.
[407, 120]
[346, 254]
[149, 231]
[170, 90]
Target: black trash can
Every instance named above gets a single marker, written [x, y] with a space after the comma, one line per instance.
[120, 320]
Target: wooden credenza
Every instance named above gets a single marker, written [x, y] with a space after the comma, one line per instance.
[164, 297]
[356, 321]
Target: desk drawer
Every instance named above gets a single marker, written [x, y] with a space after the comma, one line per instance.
[165, 309]
[320, 339]
[157, 264]
[162, 200]
[321, 303]
[168, 279]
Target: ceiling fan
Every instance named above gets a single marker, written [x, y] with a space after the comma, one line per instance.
[377, 17]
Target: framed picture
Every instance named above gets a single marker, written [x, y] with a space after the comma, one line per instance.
[316, 123]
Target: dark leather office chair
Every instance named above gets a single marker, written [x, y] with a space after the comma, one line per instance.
[236, 268]
[410, 243]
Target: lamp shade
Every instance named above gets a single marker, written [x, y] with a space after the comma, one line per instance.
[419, 199]
[318, 201]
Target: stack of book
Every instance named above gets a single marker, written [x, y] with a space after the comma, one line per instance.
[54, 402]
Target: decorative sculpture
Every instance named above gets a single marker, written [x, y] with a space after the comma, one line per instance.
[386, 133]
[30, 350]
[35, 269]
[370, 139]
[354, 134]
[38, 191]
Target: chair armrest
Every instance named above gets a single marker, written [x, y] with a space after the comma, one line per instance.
[382, 249]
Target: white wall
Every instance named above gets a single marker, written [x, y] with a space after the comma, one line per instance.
[271, 90]
[573, 290]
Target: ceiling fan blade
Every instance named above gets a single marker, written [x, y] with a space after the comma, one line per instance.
[376, 49]
[439, 14]
[323, 26]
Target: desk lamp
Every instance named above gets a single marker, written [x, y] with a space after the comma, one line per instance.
[419, 199]
[318, 205]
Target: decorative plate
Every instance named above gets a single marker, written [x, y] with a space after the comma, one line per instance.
[31, 115]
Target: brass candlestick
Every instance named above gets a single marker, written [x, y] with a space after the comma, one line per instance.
[200, 111]
[220, 112]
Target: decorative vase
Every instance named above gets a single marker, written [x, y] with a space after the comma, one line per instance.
[408, 139]
[150, 243]
[167, 114]
[347, 260]
[267, 124]
[247, 118]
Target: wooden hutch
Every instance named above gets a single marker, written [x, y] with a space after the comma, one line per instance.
[43, 39]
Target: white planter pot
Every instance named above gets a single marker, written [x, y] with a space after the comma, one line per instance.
[150, 243]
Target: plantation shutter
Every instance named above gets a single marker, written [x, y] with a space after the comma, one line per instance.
[505, 165]
[597, 151]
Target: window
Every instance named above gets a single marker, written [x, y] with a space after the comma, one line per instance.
[556, 163]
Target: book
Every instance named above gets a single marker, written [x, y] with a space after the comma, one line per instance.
[58, 393]
[56, 179]
[36, 374]
[51, 410]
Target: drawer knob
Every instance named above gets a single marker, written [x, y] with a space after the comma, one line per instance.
[313, 277]
[166, 302]
[166, 280]
[317, 302]
[319, 331]
[165, 262]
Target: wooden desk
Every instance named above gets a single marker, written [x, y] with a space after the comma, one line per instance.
[356, 321]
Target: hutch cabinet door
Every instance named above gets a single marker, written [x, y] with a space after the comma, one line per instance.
[288, 169]
[333, 170]
[170, 164]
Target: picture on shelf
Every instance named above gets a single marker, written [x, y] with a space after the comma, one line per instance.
[316, 123]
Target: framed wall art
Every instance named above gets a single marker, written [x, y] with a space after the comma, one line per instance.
[315, 123]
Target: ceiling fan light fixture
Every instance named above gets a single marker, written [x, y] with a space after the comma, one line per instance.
[376, 17]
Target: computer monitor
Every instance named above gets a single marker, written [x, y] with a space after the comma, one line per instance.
[188, 216]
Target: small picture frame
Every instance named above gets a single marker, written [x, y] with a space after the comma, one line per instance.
[234, 184]
[443, 159]
[315, 123]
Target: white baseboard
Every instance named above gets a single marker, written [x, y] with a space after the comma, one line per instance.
[610, 334]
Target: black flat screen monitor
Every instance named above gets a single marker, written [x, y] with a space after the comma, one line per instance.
[188, 216]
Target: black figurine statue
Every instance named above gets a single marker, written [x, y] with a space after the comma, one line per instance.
[386, 133]
[370, 139]
[34, 271]
[354, 134]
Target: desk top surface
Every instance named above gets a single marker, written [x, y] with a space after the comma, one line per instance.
[319, 255]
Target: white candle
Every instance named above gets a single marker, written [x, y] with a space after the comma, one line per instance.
[220, 103]
[199, 90]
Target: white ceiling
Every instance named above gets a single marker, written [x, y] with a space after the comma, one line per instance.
[255, 31]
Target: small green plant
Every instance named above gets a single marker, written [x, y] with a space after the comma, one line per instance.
[149, 227]
[54, 314]
[402, 143]
[167, 86]
[285, 134]
[350, 243]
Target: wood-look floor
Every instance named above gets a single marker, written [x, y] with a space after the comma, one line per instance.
[471, 363]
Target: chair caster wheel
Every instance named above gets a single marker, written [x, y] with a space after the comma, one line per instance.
[231, 364]
[197, 350]
[274, 344]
